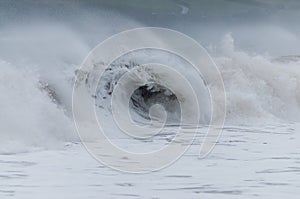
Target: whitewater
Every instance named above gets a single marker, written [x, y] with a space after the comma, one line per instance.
[259, 90]
[41, 155]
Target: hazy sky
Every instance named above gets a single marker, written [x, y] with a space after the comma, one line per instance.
[259, 26]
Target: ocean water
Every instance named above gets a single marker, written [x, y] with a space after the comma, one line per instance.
[247, 162]
[257, 154]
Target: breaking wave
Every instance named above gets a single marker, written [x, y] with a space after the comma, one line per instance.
[36, 95]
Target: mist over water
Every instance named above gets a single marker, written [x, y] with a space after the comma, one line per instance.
[42, 45]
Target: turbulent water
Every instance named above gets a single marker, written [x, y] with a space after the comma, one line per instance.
[258, 152]
[36, 97]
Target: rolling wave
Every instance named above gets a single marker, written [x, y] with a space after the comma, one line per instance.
[39, 64]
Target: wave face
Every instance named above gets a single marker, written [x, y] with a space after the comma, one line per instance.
[39, 63]
[152, 93]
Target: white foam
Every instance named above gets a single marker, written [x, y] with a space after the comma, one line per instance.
[29, 117]
[259, 88]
